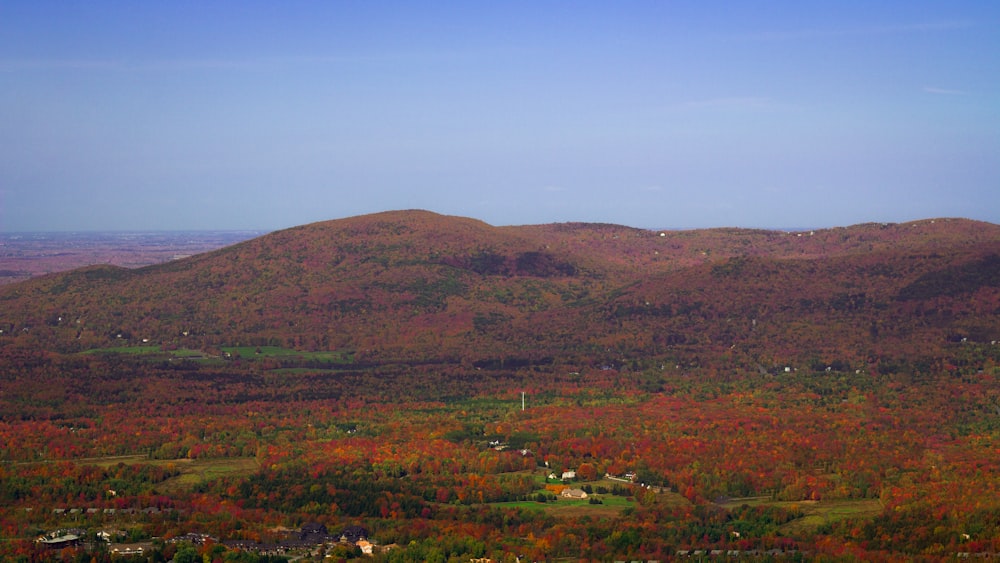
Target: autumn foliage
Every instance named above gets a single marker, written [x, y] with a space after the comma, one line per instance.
[831, 393]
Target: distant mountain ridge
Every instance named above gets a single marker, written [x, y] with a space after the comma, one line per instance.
[418, 286]
[26, 255]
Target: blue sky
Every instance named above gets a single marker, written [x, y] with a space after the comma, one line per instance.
[661, 114]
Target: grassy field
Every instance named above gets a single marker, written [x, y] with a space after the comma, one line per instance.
[111, 461]
[816, 512]
[137, 350]
[192, 471]
[285, 353]
[244, 352]
[196, 471]
[151, 352]
[611, 506]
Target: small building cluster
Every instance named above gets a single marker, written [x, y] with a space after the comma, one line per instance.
[565, 476]
[577, 494]
[310, 538]
[59, 539]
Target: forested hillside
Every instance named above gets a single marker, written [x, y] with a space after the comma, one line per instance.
[417, 286]
[831, 392]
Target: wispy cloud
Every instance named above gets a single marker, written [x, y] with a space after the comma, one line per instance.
[122, 65]
[257, 63]
[13, 65]
[943, 91]
[734, 102]
[887, 29]
[149, 65]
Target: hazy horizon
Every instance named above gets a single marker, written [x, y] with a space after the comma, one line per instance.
[254, 116]
[260, 232]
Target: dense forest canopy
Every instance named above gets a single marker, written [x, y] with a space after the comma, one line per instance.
[824, 393]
